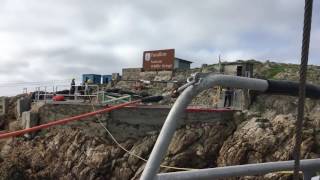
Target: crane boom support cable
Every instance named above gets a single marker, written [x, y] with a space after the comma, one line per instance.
[302, 88]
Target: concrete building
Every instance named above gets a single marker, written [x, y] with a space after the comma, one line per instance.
[241, 97]
[181, 64]
[106, 79]
[238, 68]
[95, 78]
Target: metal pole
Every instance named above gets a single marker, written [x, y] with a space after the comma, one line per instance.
[166, 134]
[302, 88]
[38, 94]
[45, 94]
[76, 93]
[205, 82]
[103, 96]
[308, 174]
[309, 166]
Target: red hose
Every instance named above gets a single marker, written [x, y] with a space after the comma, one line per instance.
[65, 120]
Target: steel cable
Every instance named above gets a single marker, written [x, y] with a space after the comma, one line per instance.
[302, 87]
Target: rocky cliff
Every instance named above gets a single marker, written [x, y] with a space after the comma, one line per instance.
[72, 153]
[263, 133]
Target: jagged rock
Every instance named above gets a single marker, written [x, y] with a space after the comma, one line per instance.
[198, 145]
[252, 143]
[73, 153]
[13, 170]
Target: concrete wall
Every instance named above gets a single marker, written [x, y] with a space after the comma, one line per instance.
[23, 104]
[3, 105]
[137, 74]
[51, 112]
[128, 122]
[182, 64]
[131, 73]
[163, 76]
[230, 69]
[148, 75]
[239, 100]
[29, 119]
[156, 116]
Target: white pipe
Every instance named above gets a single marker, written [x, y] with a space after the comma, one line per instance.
[174, 116]
[307, 166]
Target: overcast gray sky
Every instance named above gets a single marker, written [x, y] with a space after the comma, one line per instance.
[44, 40]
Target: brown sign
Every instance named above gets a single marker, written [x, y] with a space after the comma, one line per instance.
[158, 60]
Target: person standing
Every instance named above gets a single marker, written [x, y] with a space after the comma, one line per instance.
[73, 86]
[86, 87]
[86, 90]
[228, 97]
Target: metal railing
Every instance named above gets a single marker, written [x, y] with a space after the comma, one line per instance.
[45, 93]
[113, 100]
[309, 168]
[197, 84]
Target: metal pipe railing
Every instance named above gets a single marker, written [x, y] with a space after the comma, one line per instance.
[202, 82]
[42, 92]
[199, 83]
[308, 166]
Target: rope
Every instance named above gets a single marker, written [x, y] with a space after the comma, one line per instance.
[302, 87]
[129, 152]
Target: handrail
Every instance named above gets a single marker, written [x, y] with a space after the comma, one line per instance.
[308, 165]
[45, 94]
[200, 82]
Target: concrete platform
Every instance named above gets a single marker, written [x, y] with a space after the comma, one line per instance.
[132, 121]
[156, 115]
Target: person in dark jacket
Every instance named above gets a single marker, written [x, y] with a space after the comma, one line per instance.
[73, 86]
[228, 97]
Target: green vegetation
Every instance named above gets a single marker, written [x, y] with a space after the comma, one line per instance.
[271, 72]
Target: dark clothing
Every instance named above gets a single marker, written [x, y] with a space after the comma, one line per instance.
[72, 88]
[229, 92]
[228, 98]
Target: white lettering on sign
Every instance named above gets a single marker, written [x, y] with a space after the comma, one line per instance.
[147, 56]
[158, 54]
[156, 61]
[161, 66]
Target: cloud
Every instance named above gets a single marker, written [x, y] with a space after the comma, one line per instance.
[47, 40]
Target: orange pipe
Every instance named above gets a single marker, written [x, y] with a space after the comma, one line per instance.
[65, 120]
